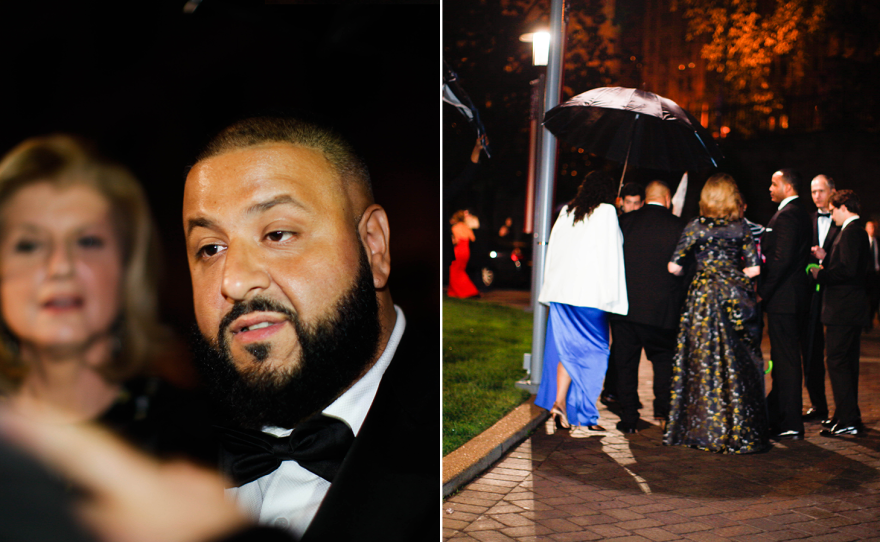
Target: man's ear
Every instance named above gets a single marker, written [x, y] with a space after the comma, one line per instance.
[373, 228]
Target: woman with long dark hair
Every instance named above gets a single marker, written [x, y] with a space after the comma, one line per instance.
[583, 281]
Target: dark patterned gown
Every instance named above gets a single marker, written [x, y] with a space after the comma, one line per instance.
[717, 401]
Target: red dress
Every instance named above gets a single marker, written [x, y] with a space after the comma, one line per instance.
[459, 283]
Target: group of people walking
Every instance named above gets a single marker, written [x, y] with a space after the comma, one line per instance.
[693, 296]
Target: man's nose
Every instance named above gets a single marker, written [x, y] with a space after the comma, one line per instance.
[244, 274]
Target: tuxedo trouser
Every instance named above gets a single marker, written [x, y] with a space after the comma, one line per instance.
[627, 341]
[785, 401]
[844, 343]
[814, 356]
[610, 384]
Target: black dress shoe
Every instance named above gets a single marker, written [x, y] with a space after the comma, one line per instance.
[627, 427]
[608, 399]
[813, 415]
[788, 435]
[839, 430]
[829, 423]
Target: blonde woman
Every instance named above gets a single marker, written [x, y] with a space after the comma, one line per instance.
[717, 400]
[79, 323]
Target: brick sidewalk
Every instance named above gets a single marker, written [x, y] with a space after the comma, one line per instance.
[633, 488]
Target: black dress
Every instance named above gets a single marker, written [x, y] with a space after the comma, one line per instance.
[717, 401]
[163, 420]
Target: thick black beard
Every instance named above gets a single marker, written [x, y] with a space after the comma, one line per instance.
[336, 351]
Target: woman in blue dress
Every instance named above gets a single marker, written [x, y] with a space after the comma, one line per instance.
[583, 281]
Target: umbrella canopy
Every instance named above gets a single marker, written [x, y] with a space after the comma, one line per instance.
[635, 127]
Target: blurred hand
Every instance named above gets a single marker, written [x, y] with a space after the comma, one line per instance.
[818, 253]
[129, 497]
[815, 271]
[478, 146]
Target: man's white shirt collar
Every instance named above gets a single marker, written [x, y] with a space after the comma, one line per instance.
[353, 405]
[784, 202]
[848, 220]
[290, 496]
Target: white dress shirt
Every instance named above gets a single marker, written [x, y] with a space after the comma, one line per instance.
[847, 221]
[290, 496]
[784, 202]
[823, 224]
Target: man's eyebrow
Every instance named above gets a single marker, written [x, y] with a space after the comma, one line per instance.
[266, 205]
[199, 222]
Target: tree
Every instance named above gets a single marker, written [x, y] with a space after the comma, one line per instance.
[481, 43]
[760, 48]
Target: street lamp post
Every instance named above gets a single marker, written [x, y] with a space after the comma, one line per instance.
[544, 195]
[540, 50]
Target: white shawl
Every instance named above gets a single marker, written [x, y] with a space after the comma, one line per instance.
[585, 262]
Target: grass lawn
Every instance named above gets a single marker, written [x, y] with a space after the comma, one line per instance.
[483, 347]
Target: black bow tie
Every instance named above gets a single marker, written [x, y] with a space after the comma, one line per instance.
[826, 215]
[318, 444]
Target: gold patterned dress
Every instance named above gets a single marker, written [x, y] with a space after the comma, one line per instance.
[717, 401]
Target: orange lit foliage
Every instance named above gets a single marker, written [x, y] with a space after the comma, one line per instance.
[746, 40]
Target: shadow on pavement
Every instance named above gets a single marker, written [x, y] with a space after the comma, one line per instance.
[642, 462]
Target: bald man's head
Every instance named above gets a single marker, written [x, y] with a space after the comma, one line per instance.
[658, 192]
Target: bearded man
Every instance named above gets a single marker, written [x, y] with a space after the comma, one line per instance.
[331, 409]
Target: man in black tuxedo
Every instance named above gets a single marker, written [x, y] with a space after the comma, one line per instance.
[298, 337]
[824, 233]
[631, 198]
[784, 297]
[844, 311]
[650, 235]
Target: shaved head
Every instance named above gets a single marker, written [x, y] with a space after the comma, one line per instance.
[266, 130]
[656, 191]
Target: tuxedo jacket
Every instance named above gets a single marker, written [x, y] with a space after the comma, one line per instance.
[388, 484]
[845, 302]
[655, 295]
[784, 286]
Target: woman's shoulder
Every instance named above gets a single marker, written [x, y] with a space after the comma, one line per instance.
[604, 211]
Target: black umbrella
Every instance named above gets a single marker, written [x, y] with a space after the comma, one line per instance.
[635, 127]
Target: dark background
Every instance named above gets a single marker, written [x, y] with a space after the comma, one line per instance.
[494, 67]
[150, 83]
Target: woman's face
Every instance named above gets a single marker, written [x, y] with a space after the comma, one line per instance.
[60, 265]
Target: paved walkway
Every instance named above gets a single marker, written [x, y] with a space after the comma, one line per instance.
[632, 488]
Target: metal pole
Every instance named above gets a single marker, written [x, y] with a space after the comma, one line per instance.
[544, 196]
[536, 115]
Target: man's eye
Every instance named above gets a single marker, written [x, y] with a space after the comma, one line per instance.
[208, 251]
[278, 236]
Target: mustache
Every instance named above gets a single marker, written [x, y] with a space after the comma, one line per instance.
[256, 304]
